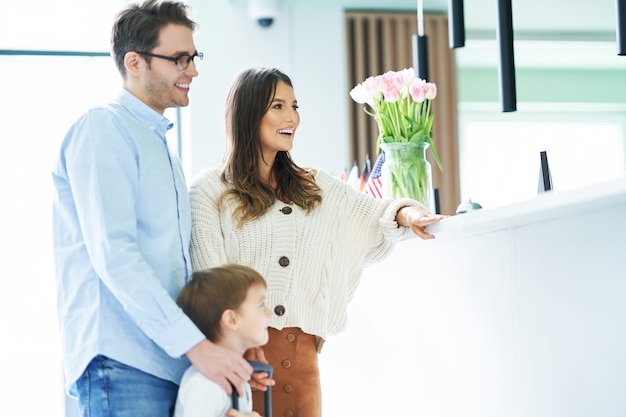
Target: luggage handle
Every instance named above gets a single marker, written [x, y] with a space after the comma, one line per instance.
[258, 367]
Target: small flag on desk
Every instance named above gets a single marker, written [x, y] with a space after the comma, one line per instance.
[365, 173]
[374, 185]
[343, 175]
[353, 177]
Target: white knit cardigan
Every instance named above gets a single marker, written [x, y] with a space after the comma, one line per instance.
[326, 250]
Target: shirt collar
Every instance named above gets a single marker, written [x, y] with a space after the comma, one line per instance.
[144, 113]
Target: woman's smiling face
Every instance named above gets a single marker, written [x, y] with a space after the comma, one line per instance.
[279, 124]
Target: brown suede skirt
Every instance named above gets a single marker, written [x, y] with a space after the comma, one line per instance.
[297, 392]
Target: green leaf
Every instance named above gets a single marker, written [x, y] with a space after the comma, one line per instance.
[429, 140]
[391, 139]
[417, 137]
[369, 113]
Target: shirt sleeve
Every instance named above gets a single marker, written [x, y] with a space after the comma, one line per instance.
[200, 397]
[370, 222]
[102, 166]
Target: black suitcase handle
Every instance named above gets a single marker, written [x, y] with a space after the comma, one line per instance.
[258, 367]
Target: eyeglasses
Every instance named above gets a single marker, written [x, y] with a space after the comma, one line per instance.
[182, 61]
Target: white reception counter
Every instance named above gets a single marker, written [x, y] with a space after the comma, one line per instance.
[518, 311]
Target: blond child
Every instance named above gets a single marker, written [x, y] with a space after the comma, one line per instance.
[227, 304]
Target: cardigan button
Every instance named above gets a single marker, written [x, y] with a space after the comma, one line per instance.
[279, 310]
[286, 210]
[283, 261]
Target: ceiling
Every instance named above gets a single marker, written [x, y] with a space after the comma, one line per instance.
[550, 16]
[547, 33]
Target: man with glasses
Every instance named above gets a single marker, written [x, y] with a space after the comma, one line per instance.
[181, 61]
[121, 233]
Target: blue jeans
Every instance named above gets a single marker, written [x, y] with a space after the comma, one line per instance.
[109, 388]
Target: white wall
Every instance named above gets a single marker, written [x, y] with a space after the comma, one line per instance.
[304, 42]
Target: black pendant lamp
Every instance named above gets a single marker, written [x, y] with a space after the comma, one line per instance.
[506, 69]
[456, 24]
[620, 11]
[420, 45]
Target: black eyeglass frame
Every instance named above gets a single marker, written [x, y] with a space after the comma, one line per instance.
[177, 59]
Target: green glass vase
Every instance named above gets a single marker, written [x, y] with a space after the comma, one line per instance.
[407, 173]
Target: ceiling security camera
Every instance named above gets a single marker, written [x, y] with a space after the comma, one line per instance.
[263, 11]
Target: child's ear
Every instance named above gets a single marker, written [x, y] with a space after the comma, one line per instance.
[229, 319]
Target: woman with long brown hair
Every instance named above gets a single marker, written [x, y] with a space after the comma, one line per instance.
[309, 234]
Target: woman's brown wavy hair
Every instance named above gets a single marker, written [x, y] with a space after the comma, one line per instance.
[249, 98]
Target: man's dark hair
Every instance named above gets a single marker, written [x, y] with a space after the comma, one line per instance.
[137, 27]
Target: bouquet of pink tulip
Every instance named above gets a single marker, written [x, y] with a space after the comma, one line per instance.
[401, 105]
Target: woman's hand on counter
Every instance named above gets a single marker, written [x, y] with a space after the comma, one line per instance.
[418, 218]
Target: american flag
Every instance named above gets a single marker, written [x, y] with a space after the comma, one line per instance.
[374, 186]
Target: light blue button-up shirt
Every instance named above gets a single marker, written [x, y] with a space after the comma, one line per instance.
[121, 230]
